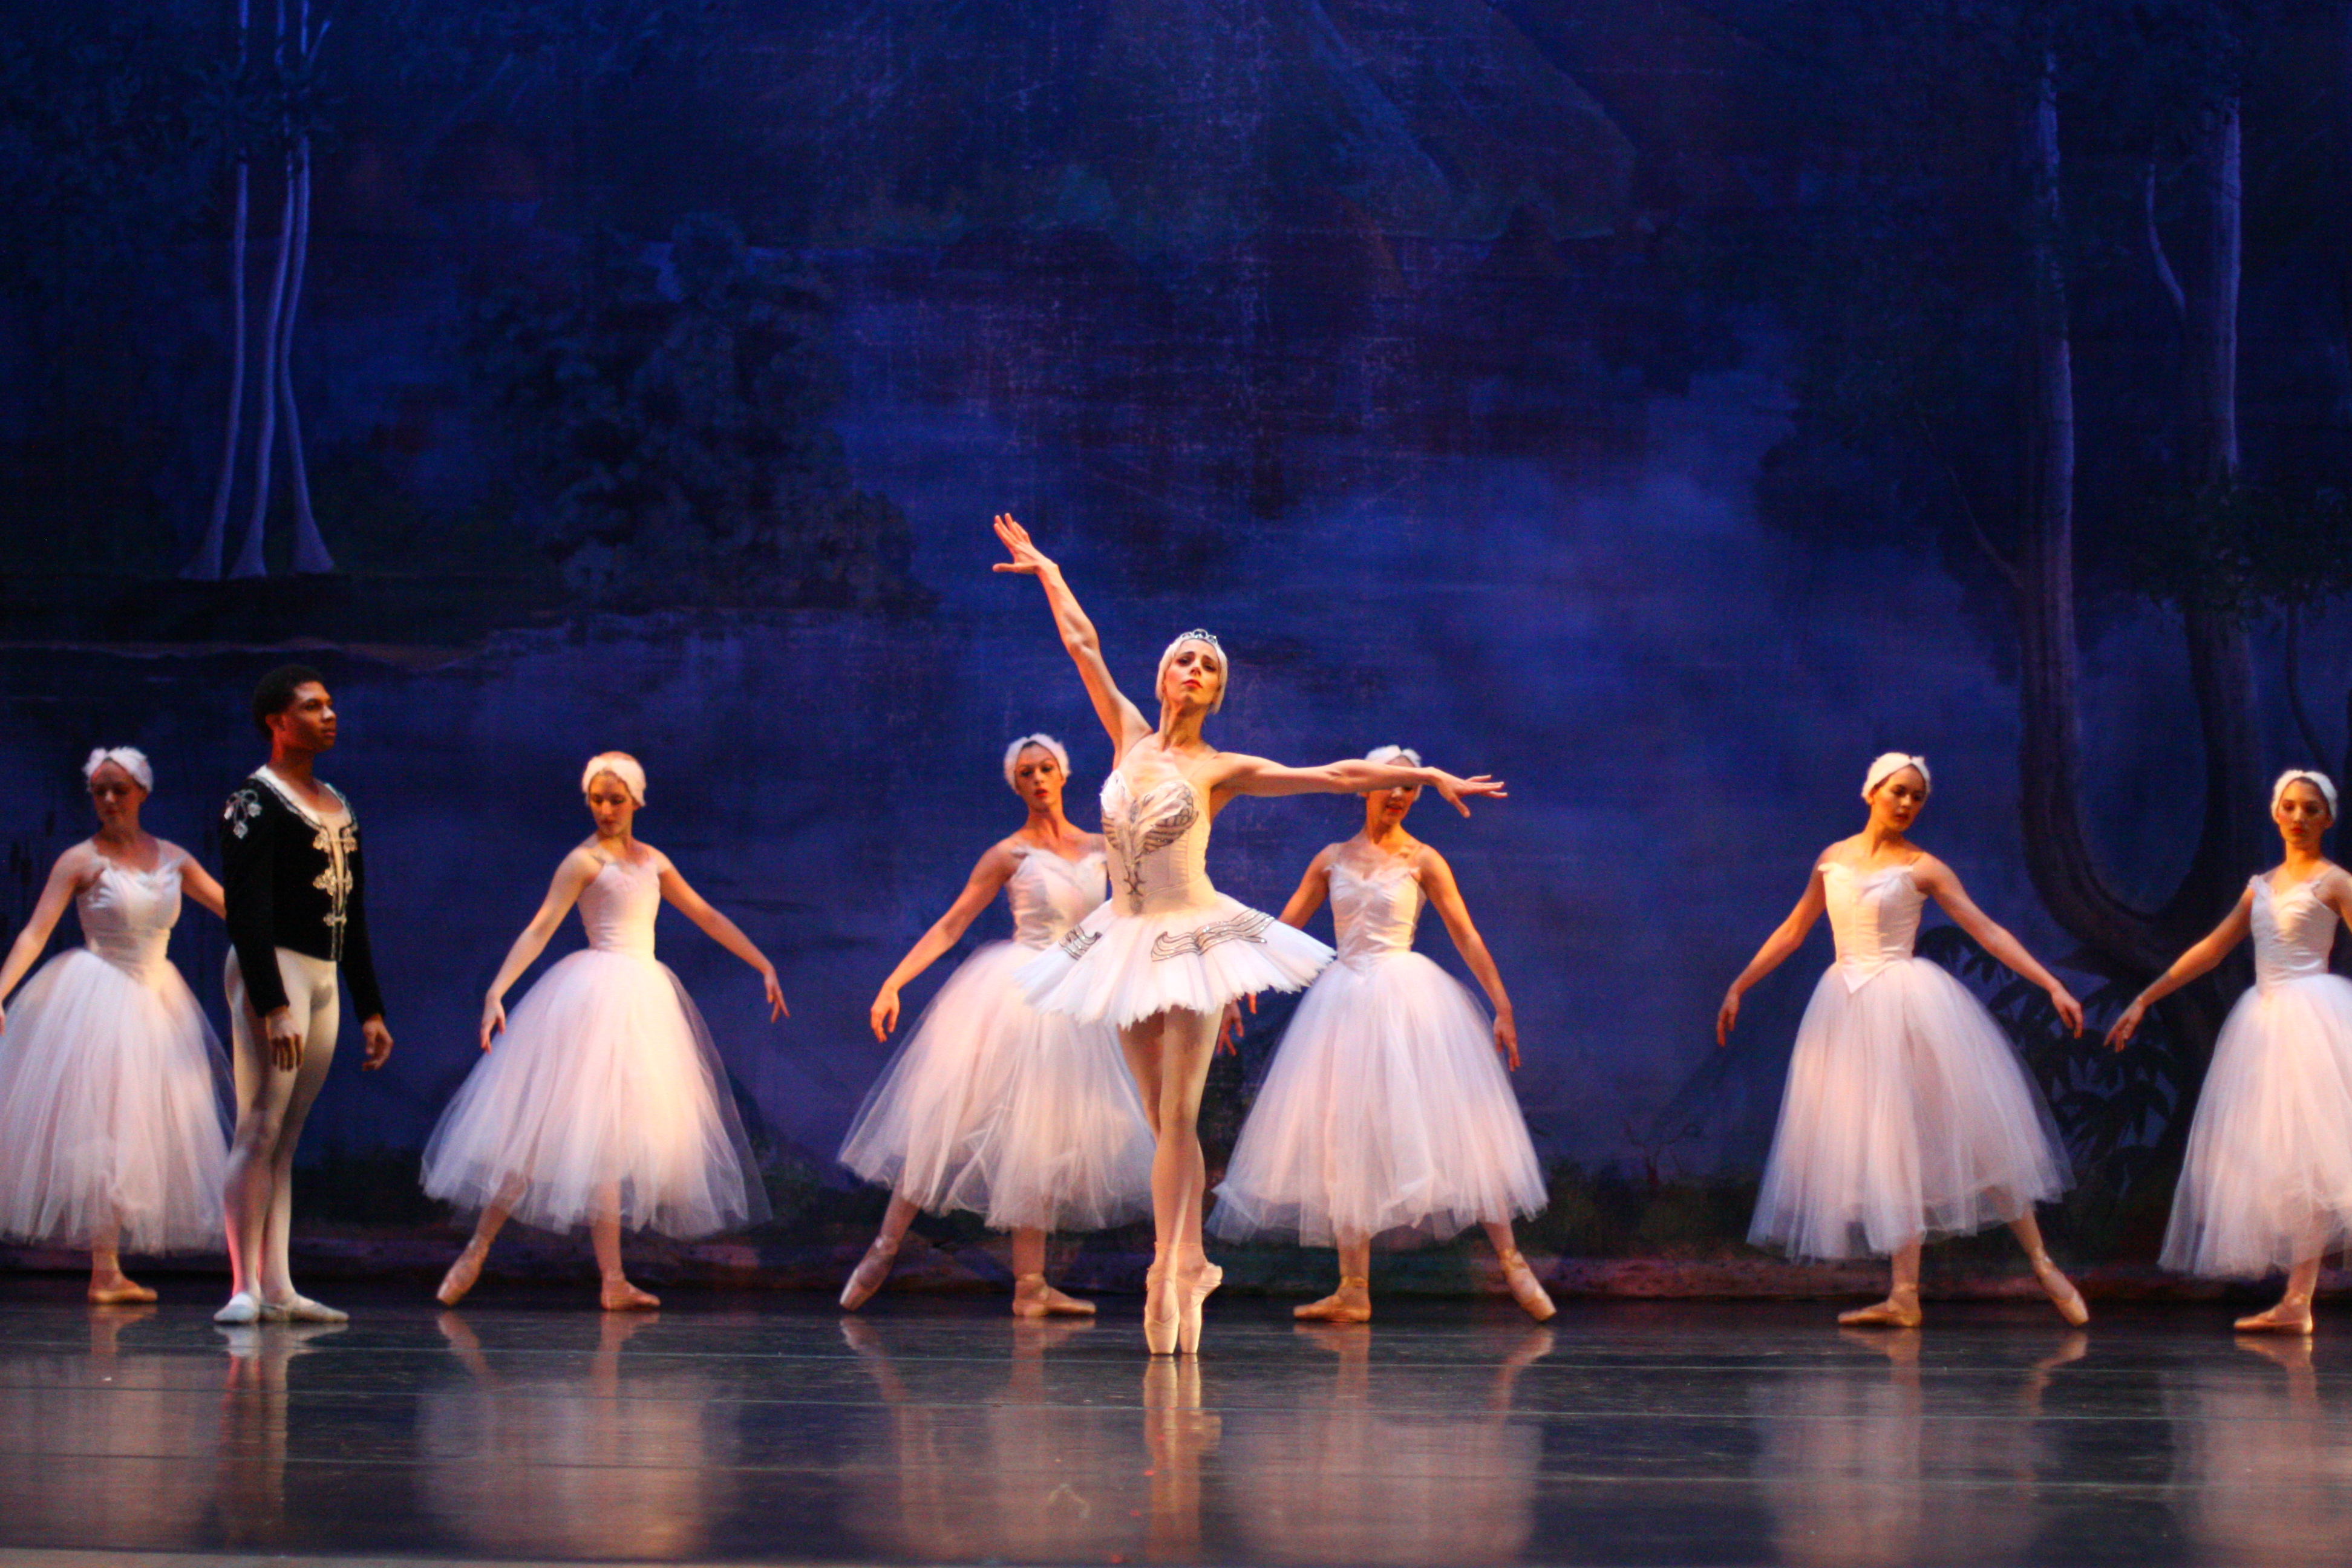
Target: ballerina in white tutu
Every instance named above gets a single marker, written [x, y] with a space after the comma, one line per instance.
[1161, 961]
[1027, 1119]
[1387, 1106]
[112, 1133]
[605, 1104]
[1906, 1113]
[2267, 1180]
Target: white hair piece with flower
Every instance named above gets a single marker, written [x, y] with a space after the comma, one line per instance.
[1050, 745]
[130, 759]
[622, 766]
[1888, 764]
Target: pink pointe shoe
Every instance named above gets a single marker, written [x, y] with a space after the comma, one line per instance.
[871, 1271]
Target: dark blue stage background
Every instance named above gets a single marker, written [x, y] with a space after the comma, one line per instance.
[1652, 401]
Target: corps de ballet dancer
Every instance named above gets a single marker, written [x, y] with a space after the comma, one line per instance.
[1027, 1119]
[296, 888]
[2266, 1183]
[111, 1134]
[1164, 957]
[1387, 1106]
[1906, 1114]
[604, 1103]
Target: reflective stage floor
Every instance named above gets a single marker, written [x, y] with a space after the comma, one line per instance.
[739, 1428]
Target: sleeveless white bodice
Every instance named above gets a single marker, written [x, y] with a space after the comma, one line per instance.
[1158, 843]
[127, 916]
[1373, 913]
[1874, 918]
[1048, 894]
[618, 905]
[2293, 931]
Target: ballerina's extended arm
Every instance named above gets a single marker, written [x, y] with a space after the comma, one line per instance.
[1785, 938]
[988, 878]
[2201, 956]
[725, 932]
[199, 884]
[1437, 883]
[1936, 879]
[72, 873]
[579, 868]
[1120, 719]
[1238, 772]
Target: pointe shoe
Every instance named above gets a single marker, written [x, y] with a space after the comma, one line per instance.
[121, 1292]
[1351, 1303]
[1032, 1298]
[1191, 1292]
[241, 1310]
[2287, 1318]
[617, 1295]
[1160, 1311]
[1526, 1289]
[1899, 1310]
[300, 1308]
[463, 1273]
[871, 1271]
[2060, 1290]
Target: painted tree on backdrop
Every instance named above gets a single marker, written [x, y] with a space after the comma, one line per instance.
[1916, 250]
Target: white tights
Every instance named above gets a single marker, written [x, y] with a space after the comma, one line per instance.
[271, 1103]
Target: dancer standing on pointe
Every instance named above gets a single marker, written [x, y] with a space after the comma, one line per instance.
[296, 892]
[2267, 1180]
[606, 1104]
[110, 1129]
[1387, 1107]
[1026, 1118]
[1164, 957]
[1906, 1114]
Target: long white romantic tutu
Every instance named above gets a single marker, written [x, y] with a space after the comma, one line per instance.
[1028, 1119]
[604, 1075]
[111, 1106]
[1117, 969]
[1386, 1108]
[1906, 1116]
[2267, 1179]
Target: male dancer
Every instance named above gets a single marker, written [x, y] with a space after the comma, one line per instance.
[290, 864]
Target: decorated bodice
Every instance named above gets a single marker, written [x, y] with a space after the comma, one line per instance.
[1157, 834]
[2293, 931]
[1048, 894]
[127, 916]
[1374, 909]
[618, 905]
[1874, 918]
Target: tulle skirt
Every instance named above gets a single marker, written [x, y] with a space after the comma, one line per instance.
[1028, 1119]
[1906, 1116]
[112, 1107]
[1385, 1109]
[2267, 1180]
[1117, 969]
[604, 1075]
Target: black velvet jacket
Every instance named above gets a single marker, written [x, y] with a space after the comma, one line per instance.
[294, 883]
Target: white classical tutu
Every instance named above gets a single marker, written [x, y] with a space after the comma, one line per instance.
[1028, 1119]
[1385, 1109]
[112, 1107]
[2267, 1180]
[1117, 969]
[604, 1075]
[1906, 1116]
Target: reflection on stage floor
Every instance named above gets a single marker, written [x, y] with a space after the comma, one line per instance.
[738, 1428]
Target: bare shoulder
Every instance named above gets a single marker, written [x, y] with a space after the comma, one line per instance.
[1428, 862]
[1928, 871]
[78, 863]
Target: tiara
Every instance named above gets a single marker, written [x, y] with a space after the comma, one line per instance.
[1197, 635]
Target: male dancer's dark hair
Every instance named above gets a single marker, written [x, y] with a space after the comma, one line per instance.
[276, 692]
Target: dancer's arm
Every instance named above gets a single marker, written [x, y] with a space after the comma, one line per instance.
[67, 878]
[1785, 940]
[1444, 896]
[1313, 888]
[578, 869]
[1119, 717]
[988, 878]
[2199, 958]
[359, 963]
[1238, 772]
[249, 882]
[1936, 879]
[197, 883]
[725, 932]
